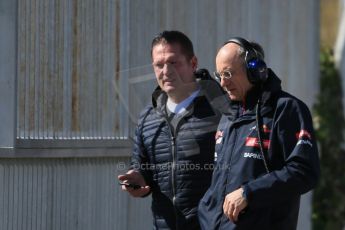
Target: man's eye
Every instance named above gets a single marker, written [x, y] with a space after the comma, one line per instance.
[158, 66]
[227, 74]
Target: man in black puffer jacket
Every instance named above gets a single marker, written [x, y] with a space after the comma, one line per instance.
[174, 147]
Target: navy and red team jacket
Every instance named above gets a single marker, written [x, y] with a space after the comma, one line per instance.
[291, 153]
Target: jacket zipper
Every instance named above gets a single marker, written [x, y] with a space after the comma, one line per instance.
[173, 168]
[173, 134]
[173, 165]
[173, 147]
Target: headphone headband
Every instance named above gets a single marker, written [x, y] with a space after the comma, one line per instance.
[252, 52]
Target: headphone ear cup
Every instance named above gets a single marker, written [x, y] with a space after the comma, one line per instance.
[256, 71]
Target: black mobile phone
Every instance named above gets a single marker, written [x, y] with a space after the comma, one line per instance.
[129, 185]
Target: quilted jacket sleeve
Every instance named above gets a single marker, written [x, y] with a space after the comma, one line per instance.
[140, 160]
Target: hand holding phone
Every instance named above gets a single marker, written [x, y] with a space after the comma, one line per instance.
[134, 183]
[130, 185]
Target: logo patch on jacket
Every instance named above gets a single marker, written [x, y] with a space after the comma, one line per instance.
[303, 133]
[219, 136]
[254, 142]
[304, 137]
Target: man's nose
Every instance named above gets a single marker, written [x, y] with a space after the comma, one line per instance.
[166, 69]
[224, 82]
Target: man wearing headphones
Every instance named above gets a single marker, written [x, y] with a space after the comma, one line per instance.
[266, 155]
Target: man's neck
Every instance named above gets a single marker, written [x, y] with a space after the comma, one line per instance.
[182, 94]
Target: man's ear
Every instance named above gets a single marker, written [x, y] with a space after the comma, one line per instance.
[194, 62]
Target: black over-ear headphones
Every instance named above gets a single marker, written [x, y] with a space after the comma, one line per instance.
[255, 65]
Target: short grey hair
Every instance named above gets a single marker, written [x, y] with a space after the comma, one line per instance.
[241, 54]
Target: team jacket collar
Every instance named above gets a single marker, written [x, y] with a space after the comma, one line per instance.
[267, 92]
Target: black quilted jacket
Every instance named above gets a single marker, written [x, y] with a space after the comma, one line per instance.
[176, 163]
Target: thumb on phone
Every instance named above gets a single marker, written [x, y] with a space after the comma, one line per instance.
[135, 178]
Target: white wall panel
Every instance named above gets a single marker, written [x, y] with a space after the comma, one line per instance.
[339, 49]
[67, 194]
[76, 58]
[69, 70]
[8, 66]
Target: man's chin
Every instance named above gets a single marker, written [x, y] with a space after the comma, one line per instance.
[169, 89]
[233, 97]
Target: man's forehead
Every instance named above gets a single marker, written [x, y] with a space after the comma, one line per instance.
[173, 47]
[230, 50]
[166, 51]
